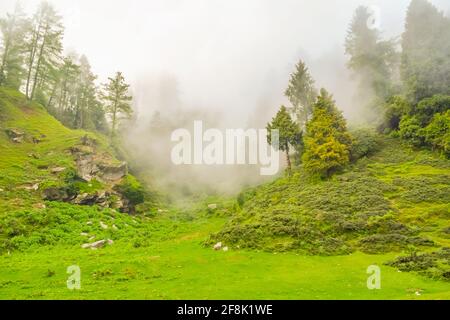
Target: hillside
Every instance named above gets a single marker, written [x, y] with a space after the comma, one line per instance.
[396, 200]
[51, 176]
[301, 239]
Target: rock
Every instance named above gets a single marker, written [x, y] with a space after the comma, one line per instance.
[218, 246]
[84, 234]
[85, 199]
[115, 227]
[97, 245]
[87, 141]
[91, 238]
[112, 173]
[39, 206]
[57, 170]
[89, 223]
[1, 190]
[103, 226]
[33, 155]
[30, 187]
[36, 140]
[86, 167]
[212, 206]
[15, 135]
[55, 194]
[225, 249]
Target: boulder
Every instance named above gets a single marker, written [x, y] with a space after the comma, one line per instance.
[212, 206]
[16, 135]
[85, 199]
[97, 245]
[57, 170]
[112, 173]
[55, 194]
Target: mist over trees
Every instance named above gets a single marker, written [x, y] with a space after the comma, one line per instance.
[33, 62]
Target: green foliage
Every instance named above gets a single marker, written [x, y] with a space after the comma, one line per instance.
[327, 142]
[132, 190]
[437, 133]
[394, 109]
[425, 66]
[289, 133]
[117, 100]
[410, 129]
[365, 142]
[301, 93]
[427, 108]
[371, 59]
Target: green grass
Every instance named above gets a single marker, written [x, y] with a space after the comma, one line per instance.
[175, 266]
[162, 254]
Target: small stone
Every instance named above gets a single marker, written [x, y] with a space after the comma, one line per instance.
[225, 249]
[110, 242]
[57, 170]
[212, 206]
[218, 246]
[89, 223]
[84, 234]
[103, 226]
[115, 227]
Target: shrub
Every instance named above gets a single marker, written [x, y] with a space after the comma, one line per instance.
[427, 108]
[437, 133]
[394, 110]
[365, 142]
[132, 190]
[411, 129]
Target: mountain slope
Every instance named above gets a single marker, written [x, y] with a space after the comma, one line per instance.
[397, 200]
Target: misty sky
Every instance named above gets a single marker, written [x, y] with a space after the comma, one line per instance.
[225, 54]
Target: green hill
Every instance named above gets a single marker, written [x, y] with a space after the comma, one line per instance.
[397, 200]
[290, 239]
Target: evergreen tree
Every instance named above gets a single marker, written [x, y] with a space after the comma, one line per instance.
[13, 30]
[301, 93]
[425, 66]
[44, 47]
[117, 100]
[373, 61]
[327, 142]
[289, 133]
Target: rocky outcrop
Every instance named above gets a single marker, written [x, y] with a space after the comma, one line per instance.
[15, 135]
[55, 194]
[92, 165]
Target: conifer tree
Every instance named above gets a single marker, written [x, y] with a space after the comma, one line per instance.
[327, 142]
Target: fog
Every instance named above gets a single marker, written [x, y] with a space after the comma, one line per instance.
[223, 61]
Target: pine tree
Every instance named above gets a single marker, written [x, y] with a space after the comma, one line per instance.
[327, 142]
[373, 61]
[301, 93]
[425, 66]
[44, 47]
[289, 133]
[13, 29]
[117, 100]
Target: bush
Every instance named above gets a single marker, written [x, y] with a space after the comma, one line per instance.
[394, 110]
[365, 142]
[437, 133]
[132, 190]
[411, 129]
[427, 108]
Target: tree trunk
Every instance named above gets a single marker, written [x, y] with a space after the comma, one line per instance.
[33, 48]
[38, 66]
[288, 159]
